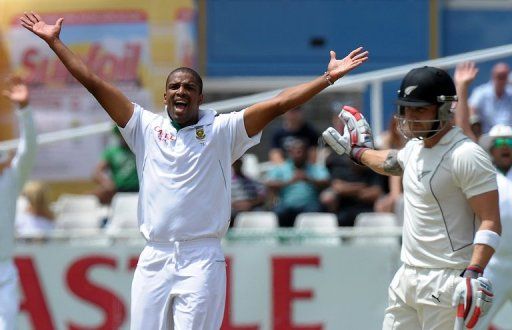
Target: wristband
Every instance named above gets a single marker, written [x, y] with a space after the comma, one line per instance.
[473, 271]
[327, 77]
[356, 153]
[487, 237]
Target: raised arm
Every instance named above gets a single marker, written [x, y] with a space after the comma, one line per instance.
[119, 108]
[257, 116]
[464, 75]
[24, 158]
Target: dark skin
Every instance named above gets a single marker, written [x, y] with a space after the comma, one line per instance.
[183, 98]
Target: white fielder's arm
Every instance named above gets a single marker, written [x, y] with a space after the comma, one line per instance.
[25, 156]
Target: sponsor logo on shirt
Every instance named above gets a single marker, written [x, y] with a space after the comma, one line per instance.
[163, 135]
[200, 135]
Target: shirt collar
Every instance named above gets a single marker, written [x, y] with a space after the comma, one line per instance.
[450, 135]
[206, 116]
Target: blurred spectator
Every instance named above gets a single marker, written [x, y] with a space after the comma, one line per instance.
[492, 102]
[391, 139]
[353, 189]
[294, 127]
[297, 182]
[246, 193]
[37, 218]
[116, 172]
[475, 125]
[498, 143]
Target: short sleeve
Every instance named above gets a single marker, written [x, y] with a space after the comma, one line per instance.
[321, 173]
[240, 141]
[473, 171]
[135, 129]
[275, 173]
[405, 152]
[106, 154]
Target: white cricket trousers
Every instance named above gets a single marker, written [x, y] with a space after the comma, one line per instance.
[499, 272]
[9, 302]
[421, 298]
[180, 285]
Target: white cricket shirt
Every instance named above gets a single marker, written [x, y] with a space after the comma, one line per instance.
[12, 180]
[439, 224]
[185, 175]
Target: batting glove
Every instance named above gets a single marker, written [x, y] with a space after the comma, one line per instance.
[473, 298]
[357, 136]
[339, 143]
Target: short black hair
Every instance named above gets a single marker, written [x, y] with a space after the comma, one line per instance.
[193, 72]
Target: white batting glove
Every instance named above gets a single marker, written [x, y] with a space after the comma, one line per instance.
[358, 127]
[357, 136]
[339, 143]
[473, 299]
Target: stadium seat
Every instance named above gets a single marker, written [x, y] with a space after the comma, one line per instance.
[78, 220]
[262, 223]
[123, 212]
[71, 203]
[21, 203]
[77, 212]
[256, 219]
[376, 220]
[318, 223]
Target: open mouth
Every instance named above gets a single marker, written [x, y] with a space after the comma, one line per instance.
[180, 105]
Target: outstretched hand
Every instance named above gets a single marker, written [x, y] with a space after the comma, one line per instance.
[17, 91]
[339, 68]
[465, 73]
[34, 23]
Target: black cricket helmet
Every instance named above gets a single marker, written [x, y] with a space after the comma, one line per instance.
[426, 86]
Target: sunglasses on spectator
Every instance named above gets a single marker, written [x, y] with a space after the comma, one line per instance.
[502, 142]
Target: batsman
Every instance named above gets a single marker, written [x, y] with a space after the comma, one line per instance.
[451, 218]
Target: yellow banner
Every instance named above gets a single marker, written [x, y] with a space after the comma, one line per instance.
[133, 44]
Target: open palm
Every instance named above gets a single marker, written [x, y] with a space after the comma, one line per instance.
[17, 91]
[338, 68]
[465, 73]
[34, 23]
